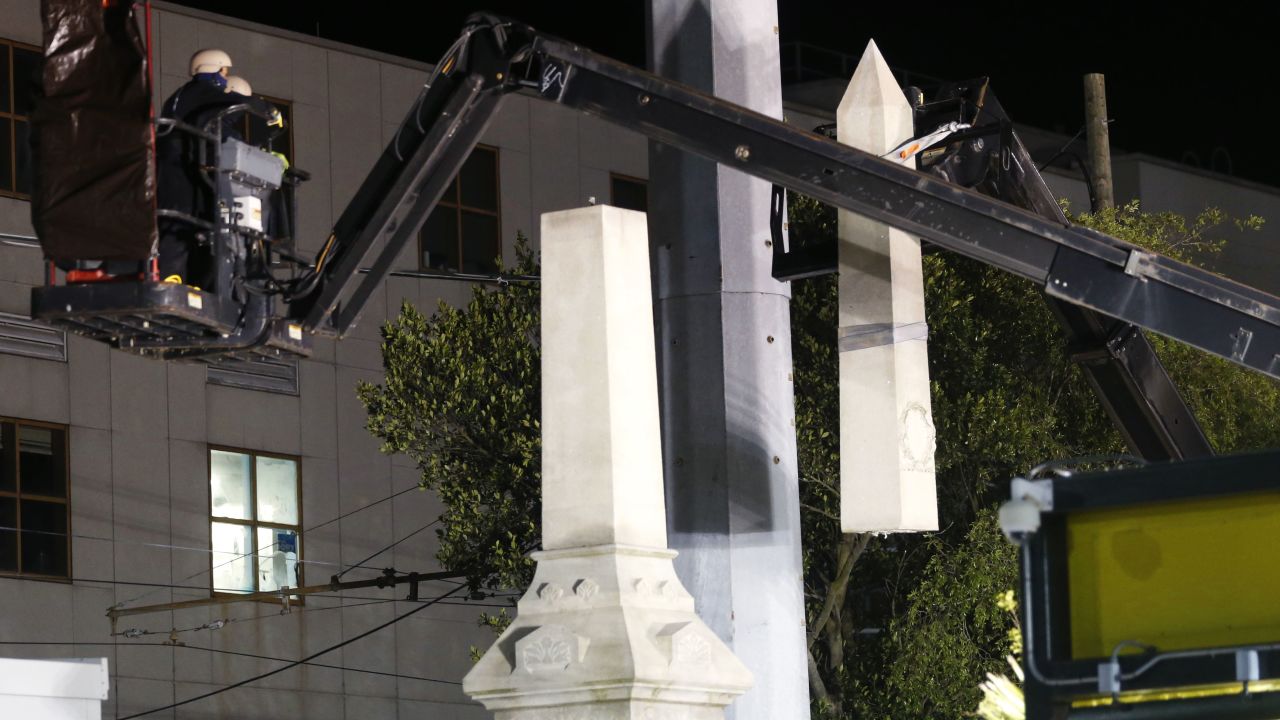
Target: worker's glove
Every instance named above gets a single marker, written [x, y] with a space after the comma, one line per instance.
[276, 119]
[283, 159]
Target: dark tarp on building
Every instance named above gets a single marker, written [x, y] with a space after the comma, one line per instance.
[93, 190]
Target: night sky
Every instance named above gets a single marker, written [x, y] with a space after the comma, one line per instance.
[1179, 83]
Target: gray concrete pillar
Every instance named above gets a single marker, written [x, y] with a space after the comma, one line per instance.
[724, 349]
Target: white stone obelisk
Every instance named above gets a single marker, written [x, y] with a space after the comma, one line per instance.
[886, 421]
[606, 631]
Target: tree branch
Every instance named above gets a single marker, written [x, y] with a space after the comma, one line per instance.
[851, 547]
[824, 513]
[821, 483]
[815, 682]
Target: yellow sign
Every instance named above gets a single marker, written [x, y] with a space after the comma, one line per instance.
[1175, 575]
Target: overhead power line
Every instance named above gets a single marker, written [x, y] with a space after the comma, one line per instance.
[232, 652]
[388, 578]
[313, 528]
[397, 542]
[219, 623]
[295, 663]
[167, 546]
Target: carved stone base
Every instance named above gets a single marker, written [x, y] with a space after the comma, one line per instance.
[621, 710]
[607, 632]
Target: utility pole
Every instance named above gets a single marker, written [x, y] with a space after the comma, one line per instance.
[724, 361]
[1099, 139]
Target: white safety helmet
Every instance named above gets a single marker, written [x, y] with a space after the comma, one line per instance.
[210, 60]
[238, 85]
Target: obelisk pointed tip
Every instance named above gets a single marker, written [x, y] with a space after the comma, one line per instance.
[874, 114]
[873, 83]
[872, 53]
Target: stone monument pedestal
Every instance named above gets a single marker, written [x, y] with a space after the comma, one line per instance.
[606, 631]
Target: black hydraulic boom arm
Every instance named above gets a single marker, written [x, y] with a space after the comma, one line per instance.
[494, 57]
[439, 132]
[1115, 357]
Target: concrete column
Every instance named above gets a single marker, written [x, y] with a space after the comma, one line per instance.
[724, 346]
[606, 631]
[886, 420]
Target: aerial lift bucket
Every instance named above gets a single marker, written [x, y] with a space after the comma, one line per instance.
[94, 204]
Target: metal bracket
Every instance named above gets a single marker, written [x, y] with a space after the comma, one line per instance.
[1039, 492]
[1247, 669]
[1120, 340]
[1133, 265]
[1242, 338]
[1109, 682]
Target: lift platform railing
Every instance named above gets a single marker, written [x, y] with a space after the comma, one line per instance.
[233, 311]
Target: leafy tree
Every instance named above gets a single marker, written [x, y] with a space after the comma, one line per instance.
[1002, 697]
[461, 398]
[902, 626]
[914, 631]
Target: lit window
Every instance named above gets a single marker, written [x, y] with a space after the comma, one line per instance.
[462, 232]
[34, 509]
[629, 193]
[19, 77]
[254, 520]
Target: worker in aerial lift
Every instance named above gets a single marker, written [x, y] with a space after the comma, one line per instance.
[180, 186]
[178, 181]
[237, 85]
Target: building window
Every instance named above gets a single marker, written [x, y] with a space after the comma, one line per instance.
[629, 193]
[257, 133]
[462, 232]
[19, 78]
[254, 520]
[35, 517]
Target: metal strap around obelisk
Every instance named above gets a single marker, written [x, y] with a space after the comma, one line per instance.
[860, 337]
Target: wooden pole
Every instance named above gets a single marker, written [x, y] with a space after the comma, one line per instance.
[1095, 113]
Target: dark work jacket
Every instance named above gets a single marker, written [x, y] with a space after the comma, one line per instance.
[180, 186]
